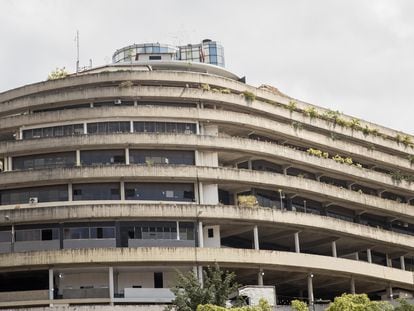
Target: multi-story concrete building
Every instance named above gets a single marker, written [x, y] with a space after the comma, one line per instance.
[115, 177]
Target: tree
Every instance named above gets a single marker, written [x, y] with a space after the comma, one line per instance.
[404, 306]
[298, 305]
[217, 287]
[349, 302]
[263, 306]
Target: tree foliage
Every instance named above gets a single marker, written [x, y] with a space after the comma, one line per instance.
[263, 306]
[217, 286]
[404, 306]
[349, 302]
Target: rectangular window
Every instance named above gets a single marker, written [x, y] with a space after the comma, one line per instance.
[39, 161]
[43, 194]
[158, 280]
[155, 57]
[210, 232]
[101, 191]
[160, 191]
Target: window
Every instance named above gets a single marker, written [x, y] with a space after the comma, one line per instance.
[155, 57]
[102, 157]
[210, 232]
[158, 280]
[39, 161]
[101, 191]
[43, 194]
[54, 131]
[159, 191]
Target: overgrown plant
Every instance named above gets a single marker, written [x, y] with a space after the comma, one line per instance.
[298, 305]
[311, 112]
[58, 73]
[126, 84]
[249, 96]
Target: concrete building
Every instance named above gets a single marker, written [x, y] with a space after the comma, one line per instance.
[113, 178]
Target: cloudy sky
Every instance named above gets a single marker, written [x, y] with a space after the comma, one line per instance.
[355, 56]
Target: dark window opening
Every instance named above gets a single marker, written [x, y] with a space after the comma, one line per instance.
[210, 233]
[47, 235]
[155, 57]
[158, 280]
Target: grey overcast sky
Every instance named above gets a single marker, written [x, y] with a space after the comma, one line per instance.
[355, 56]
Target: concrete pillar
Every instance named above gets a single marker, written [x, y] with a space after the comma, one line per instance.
[91, 105]
[51, 286]
[388, 260]
[310, 289]
[352, 285]
[402, 263]
[78, 158]
[389, 292]
[249, 165]
[356, 254]
[13, 238]
[111, 285]
[297, 243]
[70, 192]
[85, 128]
[127, 156]
[135, 103]
[256, 237]
[200, 275]
[260, 275]
[200, 234]
[334, 253]
[200, 191]
[131, 126]
[178, 230]
[122, 190]
[369, 256]
[10, 163]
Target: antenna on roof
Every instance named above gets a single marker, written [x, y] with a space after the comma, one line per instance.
[77, 51]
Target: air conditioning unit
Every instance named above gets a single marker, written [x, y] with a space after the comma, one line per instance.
[118, 102]
[33, 200]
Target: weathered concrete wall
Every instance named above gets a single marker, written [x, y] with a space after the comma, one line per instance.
[210, 215]
[226, 257]
[187, 77]
[232, 144]
[212, 175]
[251, 122]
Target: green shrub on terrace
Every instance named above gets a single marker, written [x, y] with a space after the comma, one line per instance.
[317, 153]
[311, 112]
[410, 158]
[126, 84]
[205, 87]
[292, 106]
[298, 305]
[406, 140]
[355, 124]
[58, 73]
[263, 306]
[249, 95]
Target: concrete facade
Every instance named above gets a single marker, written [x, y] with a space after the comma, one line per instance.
[172, 153]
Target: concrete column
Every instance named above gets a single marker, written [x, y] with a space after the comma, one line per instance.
[78, 158]
[70, 192]
[249, 165]
[122, 190]
[198, 126]
[297, 243]
[85, 128]
[91, 105]
[178, 230]
[352, 284]
[200, 191]
[131, 126]
[200, 234]
[200, 275]
[256, 237]
[389, 292]
[388, 260]
[127, 156]
[51, 286]
[369, 256]
[310, 289]
[356, 254]
[111, 285]
[20, 136]
[135, 103]
[13, 238]
[260, 275]
[334, 253]
[402, 263]
[10, 163]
